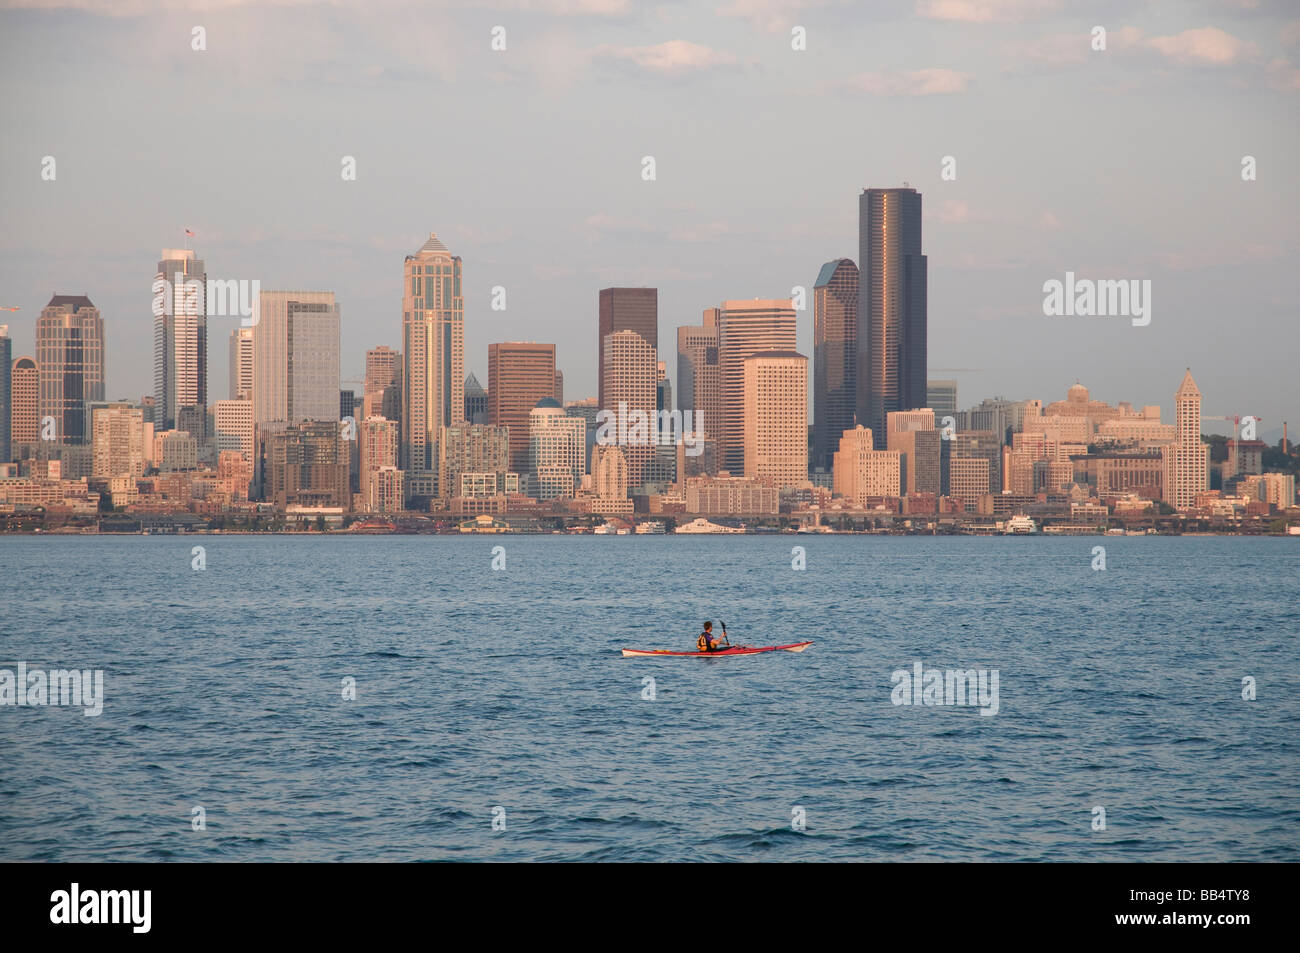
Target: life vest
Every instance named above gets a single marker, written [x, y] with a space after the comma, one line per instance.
[702, 643]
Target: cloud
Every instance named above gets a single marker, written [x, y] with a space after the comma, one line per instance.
[673, 58]
[769, 16]
[1049, 222]
[1204, 46]
[953, 212]
[985, 11]
[920, 82]
[1283, 74]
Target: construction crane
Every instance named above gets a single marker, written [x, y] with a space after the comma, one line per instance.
[1234, 445]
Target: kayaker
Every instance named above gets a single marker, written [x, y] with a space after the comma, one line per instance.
[706, 642]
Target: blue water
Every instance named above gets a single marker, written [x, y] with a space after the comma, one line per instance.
[478, 689]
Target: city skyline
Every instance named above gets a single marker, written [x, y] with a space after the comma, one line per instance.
[1030, 200]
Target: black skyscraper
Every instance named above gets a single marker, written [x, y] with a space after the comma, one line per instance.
[891, 307]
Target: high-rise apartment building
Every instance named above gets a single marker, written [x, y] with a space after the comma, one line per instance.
[835, 356]
[776, 417]
[306, 464]
[296, 358]
[70, 362]
[433, 353]
[625, 309]
[892, 311]
[520, 373]
[180, 335]
[117, 430]
[379, 440]
[472, 448]
[746, 328]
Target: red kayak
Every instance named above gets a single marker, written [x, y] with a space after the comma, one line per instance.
[730, 650]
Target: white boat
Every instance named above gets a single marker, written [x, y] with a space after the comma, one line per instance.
[1020, 525]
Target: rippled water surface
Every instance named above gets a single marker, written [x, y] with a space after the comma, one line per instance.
[476, 688]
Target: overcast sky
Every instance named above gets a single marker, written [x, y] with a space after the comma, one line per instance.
[527, 162]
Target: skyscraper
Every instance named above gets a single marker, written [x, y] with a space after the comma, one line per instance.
[476, 401]
[630, 372]
[776, 417]
[70, 361]
[698, 372]
[383, 371]
[6, 393]
[1186, 460]
[23, 417]
[520, 373]
[835, 355]
[891, 339]
[241, 364]
[180, 335]
[625, 309]
[745, 328]
[296, 358]
[433, 354]
[941, 397]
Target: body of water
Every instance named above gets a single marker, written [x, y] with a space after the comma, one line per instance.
[487, 695]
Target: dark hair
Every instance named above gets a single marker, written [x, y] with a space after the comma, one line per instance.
[708, 625]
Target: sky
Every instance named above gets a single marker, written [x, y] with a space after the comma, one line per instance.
[1117, 163]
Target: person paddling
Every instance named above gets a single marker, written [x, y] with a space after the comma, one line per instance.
[707, 643]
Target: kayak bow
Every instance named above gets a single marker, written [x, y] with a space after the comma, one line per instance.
[733, 650]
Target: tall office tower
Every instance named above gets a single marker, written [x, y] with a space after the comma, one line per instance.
[520, 373]
[776, 417]
[378, 441]
[912, 433]
[1186, 460]
[630, 368]
[241, 364]
[609, 472]
[306, 464]
[475, 449]
[835, 356]
[891, 338]
[433, 353]
[147, 405]
[296, 358]
[349, 404]
[476, 401]
[559, 387]
[941, 397]
[699, 374]
[557, 450]
[24, 419]
[70, 359]
[180, 335]
[233, 427]
[745, 328]
[6, 394]
[383, 372]
[625, 309]
[861, 472]
[117, 440]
